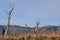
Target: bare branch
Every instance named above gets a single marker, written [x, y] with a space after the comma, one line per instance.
[9, 17]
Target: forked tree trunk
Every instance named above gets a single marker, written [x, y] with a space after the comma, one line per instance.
[8, 21]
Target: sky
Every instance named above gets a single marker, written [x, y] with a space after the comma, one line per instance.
[27, 11]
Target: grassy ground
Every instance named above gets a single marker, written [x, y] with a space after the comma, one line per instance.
[31, 37]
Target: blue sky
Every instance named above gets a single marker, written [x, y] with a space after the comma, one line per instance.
[26, 11]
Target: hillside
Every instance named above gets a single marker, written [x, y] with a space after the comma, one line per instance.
[14, 29]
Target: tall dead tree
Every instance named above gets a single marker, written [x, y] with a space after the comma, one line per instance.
[37, 24]
[9, 14]
[36, 29]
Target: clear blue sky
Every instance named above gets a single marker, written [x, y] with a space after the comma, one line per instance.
[26, 11]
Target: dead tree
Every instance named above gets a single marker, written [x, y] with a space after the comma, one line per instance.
[26, 28]
[8, 20]
[37, 24]
[52, 32]
[36, 29]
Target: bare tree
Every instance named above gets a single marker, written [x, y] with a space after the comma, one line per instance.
[26, 28]
[36, 29]
[9, 13]
[52, 32]
[37, 24]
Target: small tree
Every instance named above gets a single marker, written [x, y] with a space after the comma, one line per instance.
[26, 28]
[36, 29]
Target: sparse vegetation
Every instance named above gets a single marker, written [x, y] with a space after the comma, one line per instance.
[26, 37]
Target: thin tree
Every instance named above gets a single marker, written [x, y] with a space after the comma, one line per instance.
[26, 28]
[52, 32]
[36, 29]
[9, 14]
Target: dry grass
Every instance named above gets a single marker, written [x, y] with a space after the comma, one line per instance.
[31, 37]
